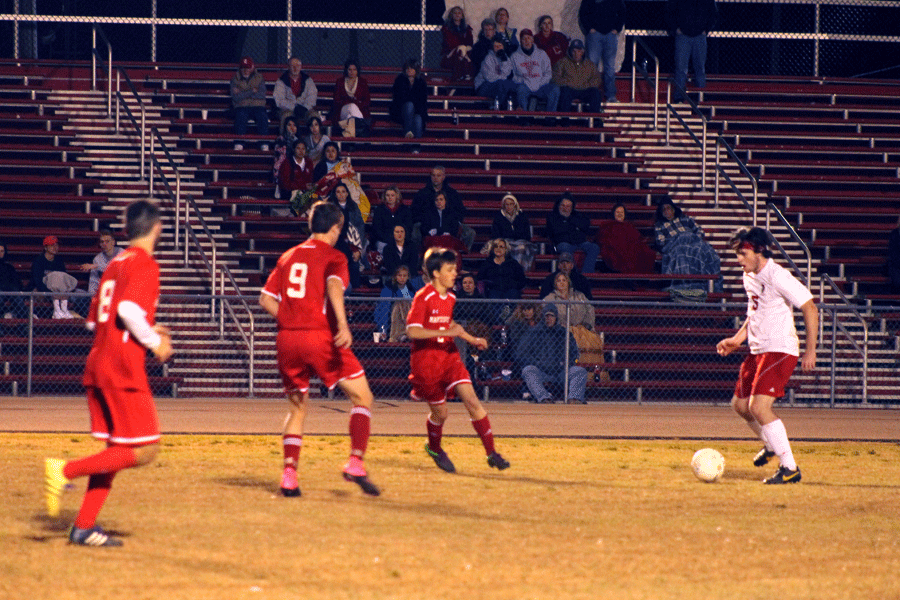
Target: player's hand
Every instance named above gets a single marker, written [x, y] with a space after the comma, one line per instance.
[343, 338]
[163, 352]
[726, 346]
[162, 330]
[808, 363]
[87, 267]
[480, 343]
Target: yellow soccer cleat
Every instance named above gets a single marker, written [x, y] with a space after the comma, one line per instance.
[54, 484]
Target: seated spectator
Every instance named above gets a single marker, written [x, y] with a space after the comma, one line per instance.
[464, 312]
[484, 45]
[387, 215]
[622, 247]
[315, 140]
[409, 100]
[284, 146]
[108, 251]
[577, 78]
[684, 251]
[456, 45]
[296, 173]
[352, 241]
[506, 33]
[532, 74]
[350, 109]
[893, 259]
[569, 231]
[11, 307]
[513, 226]
[400, 252]
[248, 101]
[554, 43]
[570, 300]
[542, 351]
[423, 201]
[565, 263]
[440, 220]
[48, 274]
[493, 79]
[390, 317]
[331, 157]
[502, 276]
[295, 92]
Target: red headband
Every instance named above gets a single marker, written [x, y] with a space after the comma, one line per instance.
[749, 246]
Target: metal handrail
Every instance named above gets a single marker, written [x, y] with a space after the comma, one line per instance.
[770, 208]
[642, 68]
[754, 209]
[864, 351]
[670, 109]
[95, 28]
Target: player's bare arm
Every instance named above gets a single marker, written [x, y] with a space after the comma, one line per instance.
[729, 345]
[811, 320]
[269, 303]
[335, 292]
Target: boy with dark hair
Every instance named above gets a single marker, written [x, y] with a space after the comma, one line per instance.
[305, 293]
[436, 369]
[772, 293]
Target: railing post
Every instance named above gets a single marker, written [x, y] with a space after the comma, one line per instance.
[633, 68]
[717, 174]
[668, 109]
[93, 55]
[30, 343]
[656, 96]
[152, 153]
[703, 158]
[118, 100]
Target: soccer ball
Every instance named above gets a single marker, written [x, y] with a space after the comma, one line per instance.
[708, 465]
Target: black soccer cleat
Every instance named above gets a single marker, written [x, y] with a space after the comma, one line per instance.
[92, 537]
[783, 475]
[441, 459]
[363, 482]
[762, 457]
[497, 461]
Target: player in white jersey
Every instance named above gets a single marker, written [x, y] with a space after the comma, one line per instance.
[772, 295]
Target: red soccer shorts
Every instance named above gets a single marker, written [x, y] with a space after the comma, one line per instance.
[434, 384]
[123, 417]
[765, 374]
[304, 353]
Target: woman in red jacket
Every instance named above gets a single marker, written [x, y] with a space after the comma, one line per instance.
[296, 173]
[457, 45]
[351, 102]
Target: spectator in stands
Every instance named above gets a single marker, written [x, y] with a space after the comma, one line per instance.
[577, 78]
[387, 215]
[524, 317]
[48, 274]
[315, 140]
[601, 21]
[390, 316]
[440, 219]
[352, 241]
[683, 247]
[893, 259]
[542, 351]
[493, 78]
[284, 146]
[569, 231]
[507, 33]
[351, 106]
[11, 307]
[108, 251]
[464, 312]
[295, 92]
[554, 43]
[513, 226]
[533, 75]
[457, 45]
[330, 157]
[622, 247]
[565, 264]
[502, 276]
[409, 100]
[484, 45]
[423, 202]
[400, 252]
[580, 312]
[296, 173]
[689, 21]
[248, 101]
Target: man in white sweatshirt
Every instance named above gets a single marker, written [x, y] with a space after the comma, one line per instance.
[533, 74]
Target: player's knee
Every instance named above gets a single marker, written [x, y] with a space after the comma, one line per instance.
[438, 414]
[145, 455]
[297, 401]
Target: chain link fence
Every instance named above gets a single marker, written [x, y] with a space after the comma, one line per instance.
[632, 352]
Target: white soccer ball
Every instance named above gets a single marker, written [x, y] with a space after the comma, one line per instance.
[708, 465]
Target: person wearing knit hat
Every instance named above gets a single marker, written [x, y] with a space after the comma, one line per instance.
[601, 21]
[542, 351]
[533, 74]
[513, 225]
[578, 78]
[248, 101]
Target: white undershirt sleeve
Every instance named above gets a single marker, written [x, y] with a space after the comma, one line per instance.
[135, 319]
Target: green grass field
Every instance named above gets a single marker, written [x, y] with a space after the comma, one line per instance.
[571, 519]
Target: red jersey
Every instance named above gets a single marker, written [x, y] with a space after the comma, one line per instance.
[299, 283]
[431, 311]
[116, 359]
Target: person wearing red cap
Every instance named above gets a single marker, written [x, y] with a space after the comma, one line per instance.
[48, 274]
[248, 100]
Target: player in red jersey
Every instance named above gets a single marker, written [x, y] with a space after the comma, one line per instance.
[436, 369]
[305, 293]
[121, 406]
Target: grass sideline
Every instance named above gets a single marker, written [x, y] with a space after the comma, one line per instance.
[572, 519]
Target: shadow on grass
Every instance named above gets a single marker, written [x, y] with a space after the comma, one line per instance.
[55, 526]
[489, 474]
[248, 482]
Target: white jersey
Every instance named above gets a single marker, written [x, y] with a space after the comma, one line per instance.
[771, 295]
